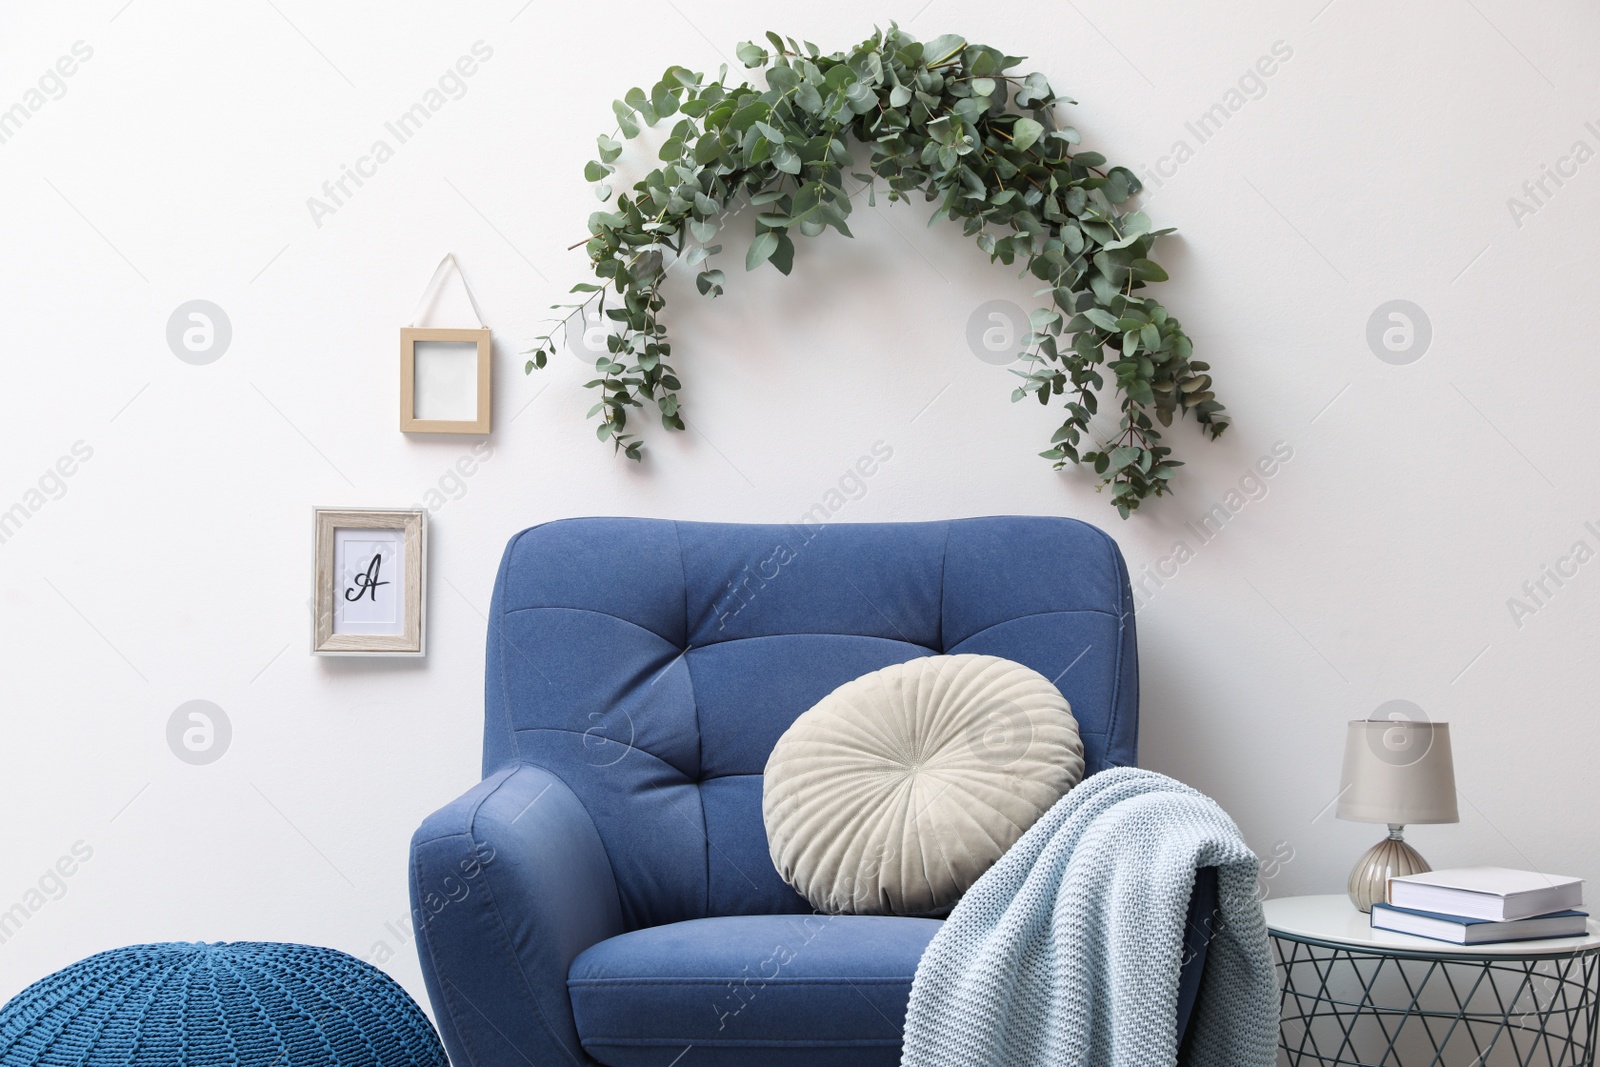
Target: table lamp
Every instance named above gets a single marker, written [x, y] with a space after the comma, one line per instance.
[1396, 773]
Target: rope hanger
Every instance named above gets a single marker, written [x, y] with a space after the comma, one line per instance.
[449, 260]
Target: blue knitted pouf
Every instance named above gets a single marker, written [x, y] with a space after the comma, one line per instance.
[241, 1004]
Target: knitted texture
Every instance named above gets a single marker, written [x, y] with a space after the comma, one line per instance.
[1066, 952]
[195, 1005]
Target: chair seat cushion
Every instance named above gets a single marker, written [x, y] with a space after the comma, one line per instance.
[813, 990]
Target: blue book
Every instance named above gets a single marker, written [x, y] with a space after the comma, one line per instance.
[1464, 931]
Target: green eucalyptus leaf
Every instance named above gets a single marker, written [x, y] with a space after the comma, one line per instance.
[1117, 189]
[640, 103]
[783, 255]
[761, 249]
[783, 79]
[1101, 318]
[1025, 133]
[1149, 271]
[625, 123]
[1035, 90]
[707, 149]
[941, 50]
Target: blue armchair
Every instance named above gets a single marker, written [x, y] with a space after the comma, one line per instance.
[605, 893]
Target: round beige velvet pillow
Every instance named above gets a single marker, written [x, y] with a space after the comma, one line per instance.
[898, 789]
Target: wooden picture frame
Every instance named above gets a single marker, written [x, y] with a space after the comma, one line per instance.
[409, 422]
[358, 552]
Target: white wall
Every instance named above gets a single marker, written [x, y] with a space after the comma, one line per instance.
[177, 165]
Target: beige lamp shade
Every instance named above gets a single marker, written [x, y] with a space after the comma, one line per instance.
[1398, 772]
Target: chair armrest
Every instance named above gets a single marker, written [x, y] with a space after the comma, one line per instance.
[508, 884]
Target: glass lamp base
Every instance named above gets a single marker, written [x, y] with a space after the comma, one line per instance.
[1389, 858]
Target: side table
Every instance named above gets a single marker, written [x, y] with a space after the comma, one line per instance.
[1358, 996]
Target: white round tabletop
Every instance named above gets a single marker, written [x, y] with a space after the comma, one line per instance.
[1334, 919]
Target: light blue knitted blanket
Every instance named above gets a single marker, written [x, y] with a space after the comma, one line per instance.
[1066, 952]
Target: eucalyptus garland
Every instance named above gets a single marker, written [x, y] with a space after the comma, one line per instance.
[945, 118]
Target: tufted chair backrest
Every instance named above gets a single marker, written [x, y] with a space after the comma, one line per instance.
[652, 666]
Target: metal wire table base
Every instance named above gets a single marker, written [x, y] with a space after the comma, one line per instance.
[1346, 1006]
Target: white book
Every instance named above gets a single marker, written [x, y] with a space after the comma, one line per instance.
[1478, 931]
[1495, 893]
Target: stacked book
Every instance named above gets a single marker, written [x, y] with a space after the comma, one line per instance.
[1482, 905]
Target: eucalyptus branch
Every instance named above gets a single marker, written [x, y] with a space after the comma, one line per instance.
[945, 118]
